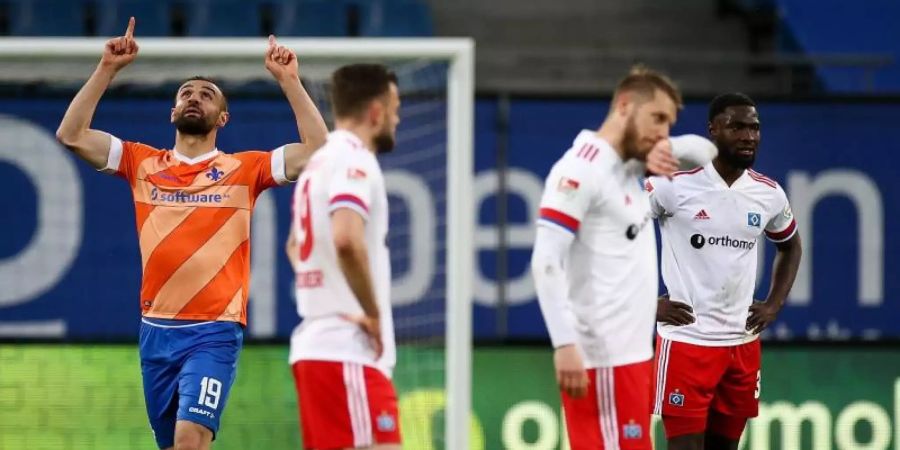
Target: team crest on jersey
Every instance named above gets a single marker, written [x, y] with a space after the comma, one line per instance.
[356, 174]
[386, 422]
[567, 185]
[632, 430]
[676, 398]
[753, 219]
[215, 174]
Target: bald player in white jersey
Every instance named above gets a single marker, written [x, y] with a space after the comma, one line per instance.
[343, 352]
[708, 354]
[594, 262]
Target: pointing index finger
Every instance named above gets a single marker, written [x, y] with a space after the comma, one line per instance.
[129, 32]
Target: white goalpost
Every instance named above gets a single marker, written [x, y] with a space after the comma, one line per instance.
[437, 75]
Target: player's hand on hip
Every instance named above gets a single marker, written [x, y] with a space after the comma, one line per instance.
[281, 61]
[660, 160]
[761, 315]
[372, 327]
[121, 51]
[570, 373]
[673, 313]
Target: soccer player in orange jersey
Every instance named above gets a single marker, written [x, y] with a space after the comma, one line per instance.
[193, 205]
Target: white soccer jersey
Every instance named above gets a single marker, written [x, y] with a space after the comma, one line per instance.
[709, 256]
[342, 174]
[611, 267]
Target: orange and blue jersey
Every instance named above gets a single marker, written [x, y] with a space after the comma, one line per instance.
[193, 222]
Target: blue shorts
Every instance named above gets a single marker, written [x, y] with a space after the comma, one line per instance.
[188, 368]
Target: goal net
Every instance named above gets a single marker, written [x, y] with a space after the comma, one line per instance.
[429, 178]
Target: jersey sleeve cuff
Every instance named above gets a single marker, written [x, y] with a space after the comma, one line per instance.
[783, 235]
[349, 201]
[115, 156]
[562, 338]
[278, 171]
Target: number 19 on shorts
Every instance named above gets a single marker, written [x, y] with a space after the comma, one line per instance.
[210, 391]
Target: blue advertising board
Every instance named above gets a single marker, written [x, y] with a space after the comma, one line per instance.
[70, 267]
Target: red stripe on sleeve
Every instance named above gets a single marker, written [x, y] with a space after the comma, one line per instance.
[349, 198]
[559, 218]
[782, 235]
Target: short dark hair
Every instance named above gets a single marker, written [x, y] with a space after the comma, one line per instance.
[354, 86]
[211, 81]
[645, 82]
[722, 102]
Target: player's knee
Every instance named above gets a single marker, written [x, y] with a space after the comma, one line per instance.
[191, 443]
[191, 436]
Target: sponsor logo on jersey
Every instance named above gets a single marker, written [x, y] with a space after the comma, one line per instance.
[632, 430]
[632, 231]
[386, 422]
[676, 398]
[215, 174]
[202, 412]
[753, 219]
[157, 195]
[698, 241]
[702, 215]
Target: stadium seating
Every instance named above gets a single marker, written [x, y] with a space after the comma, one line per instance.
[223, 18]
[836, 27]
[326, 18]
[393, 18]
[154, 17]
[219, 18]
[67, 18]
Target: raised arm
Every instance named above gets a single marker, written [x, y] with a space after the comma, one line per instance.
[74, 131]
[282, 63]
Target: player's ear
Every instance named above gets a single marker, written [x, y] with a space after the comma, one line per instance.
[375, 112]
[625, 104]
[172, 116]
[224, 116]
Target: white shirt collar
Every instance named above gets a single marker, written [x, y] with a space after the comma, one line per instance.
[348, 135]
[201, 158]
[717, 179]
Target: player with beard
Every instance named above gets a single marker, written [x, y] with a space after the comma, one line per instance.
[193, 205]
[594, 262]
[707, 363]
[343, 352]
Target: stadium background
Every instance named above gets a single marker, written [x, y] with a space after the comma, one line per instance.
[68, 366]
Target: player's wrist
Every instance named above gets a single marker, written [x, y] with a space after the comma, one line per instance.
[290, 79]
[773, 302]
[107, 69]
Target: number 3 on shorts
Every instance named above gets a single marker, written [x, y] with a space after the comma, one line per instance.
[758, 384]
[210, 390]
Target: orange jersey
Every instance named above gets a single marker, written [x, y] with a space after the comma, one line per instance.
[193, 224]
